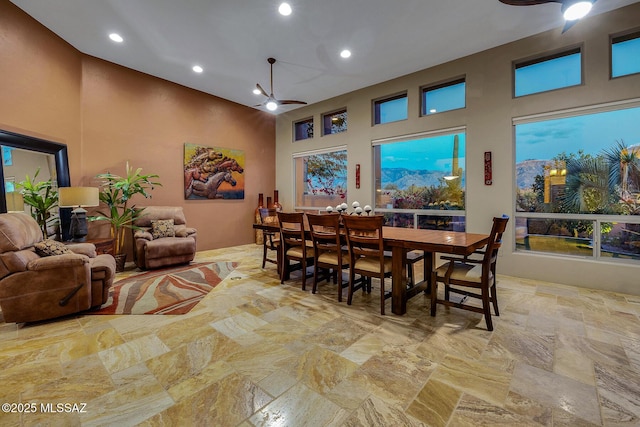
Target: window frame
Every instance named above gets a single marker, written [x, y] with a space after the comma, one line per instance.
[324, 116]
[417, 214]
[548, 56]
[301, 121]
[375, 107]
[619, 38]
[441, 85]
[302, 154]
[597, 219]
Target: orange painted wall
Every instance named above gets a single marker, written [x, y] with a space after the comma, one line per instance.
[108, 115]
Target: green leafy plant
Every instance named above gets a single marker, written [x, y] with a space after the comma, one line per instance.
[116, 192]
[42, 198]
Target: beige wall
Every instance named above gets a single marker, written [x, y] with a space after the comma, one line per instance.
[488, 120]
[107, 115]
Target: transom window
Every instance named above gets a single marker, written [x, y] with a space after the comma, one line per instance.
[625, 55]
[303, 129]
[320, 178]
[444, 97]
[548, 73]
[390, 109]
[335, 122]
[420, 181]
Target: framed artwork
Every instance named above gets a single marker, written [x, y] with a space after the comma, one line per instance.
[213, 173]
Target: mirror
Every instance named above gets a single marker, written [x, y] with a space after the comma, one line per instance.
[22, 155]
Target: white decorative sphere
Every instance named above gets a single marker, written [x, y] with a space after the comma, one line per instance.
[367, 208]
[355, 204]
[329, 208]
[344, 206]
[358, 210]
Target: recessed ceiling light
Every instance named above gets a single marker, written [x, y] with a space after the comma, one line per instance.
[116, 37]
[197, 69]
[345, 53]
[284, 9]
[256, 91]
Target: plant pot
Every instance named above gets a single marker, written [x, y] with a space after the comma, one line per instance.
[120, 261]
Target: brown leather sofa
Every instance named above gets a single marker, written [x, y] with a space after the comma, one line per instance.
[34, 287]
[177, 246]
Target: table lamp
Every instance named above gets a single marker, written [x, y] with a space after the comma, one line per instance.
[78, 198]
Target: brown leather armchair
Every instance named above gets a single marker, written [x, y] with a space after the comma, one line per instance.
[34, 287]
[169, 243]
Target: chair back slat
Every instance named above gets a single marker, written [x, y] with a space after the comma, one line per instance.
[325, 232]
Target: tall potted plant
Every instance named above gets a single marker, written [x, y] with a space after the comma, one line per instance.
[42, 197]
[116, 192]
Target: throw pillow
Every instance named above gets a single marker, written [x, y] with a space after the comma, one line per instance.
[50, 247]
[162, 228]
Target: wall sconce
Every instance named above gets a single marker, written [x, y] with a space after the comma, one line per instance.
[78, 198]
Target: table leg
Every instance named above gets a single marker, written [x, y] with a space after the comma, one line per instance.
[399, 284]
[429, 264]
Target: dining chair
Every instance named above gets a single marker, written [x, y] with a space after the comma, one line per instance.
[471, 273]
[366, 254]
[327, 246]
[294, 246]
[271, 241]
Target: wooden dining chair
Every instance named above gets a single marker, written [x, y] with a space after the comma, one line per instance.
[271, 241]
[329, 255]
[294, 246]
[366, 254]
[478, 274]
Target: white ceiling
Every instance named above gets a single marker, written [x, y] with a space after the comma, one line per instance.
[232, 39]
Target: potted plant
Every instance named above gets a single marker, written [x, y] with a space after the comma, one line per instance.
[42, 197]
[116, 192]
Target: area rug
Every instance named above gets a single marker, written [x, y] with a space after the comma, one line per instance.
[167, 291]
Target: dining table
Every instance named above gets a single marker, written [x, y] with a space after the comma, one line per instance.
[432, 242]
[402, 240]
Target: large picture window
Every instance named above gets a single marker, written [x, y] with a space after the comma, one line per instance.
[420, 181]
[578, 184]
[548, 73]
[321, 179]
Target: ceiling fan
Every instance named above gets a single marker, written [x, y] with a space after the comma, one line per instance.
[272, 102]
[572, 10]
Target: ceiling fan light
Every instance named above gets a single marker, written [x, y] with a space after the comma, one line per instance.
[256, 91]
[285, 9]
[271, 106]
[577, 10]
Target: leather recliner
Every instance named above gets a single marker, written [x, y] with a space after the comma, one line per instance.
[34, 287]
[179, 247]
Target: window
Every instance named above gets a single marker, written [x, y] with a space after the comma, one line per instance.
[320, 179]
[335, 122]
[548, 73]
[625, 51]
[303, 129]
[420, 181]
[578, 185]
[444, 97]
[390, 109]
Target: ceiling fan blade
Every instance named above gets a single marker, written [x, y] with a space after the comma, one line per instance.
[527, 2]
[262, 91]
[291, 101]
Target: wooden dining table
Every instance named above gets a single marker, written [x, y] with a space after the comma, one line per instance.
[402, 240]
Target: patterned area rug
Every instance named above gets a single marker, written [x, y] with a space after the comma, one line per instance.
[167, 291]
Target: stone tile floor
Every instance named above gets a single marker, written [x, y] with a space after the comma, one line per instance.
[258, 353]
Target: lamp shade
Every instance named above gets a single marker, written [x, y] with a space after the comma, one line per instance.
[15, 201]
[73, 197]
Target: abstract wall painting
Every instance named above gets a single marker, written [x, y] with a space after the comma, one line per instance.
[213, 173]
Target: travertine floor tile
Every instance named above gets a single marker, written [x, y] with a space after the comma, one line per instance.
[255, 352]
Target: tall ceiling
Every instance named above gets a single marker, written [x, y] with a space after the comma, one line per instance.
[232, 40]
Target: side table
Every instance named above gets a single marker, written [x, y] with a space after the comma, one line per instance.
[103, 245]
